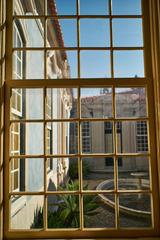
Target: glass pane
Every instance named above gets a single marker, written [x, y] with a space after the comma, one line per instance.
[29, 137]
[128, 64]
[29, 7]
[61, 139]
[127, 33]
[29, 208]
[16, 163]
[16, 103]
[64, 174]
[94, 33]
[135, 210]
[98, 212]
[31, 102]
[132, 137]
[34, 36]
[95, 64]
[34, 179]
[28, 65]
[61, 7]
[61, 103]
[96, 102]
[133, 173]
[131, 102]
[12, 182]
[61, 64]
[97, 137]
[16, 178]
[98, 173]
[126, 7]
[94, 7]
[62, 33]
[61, 213]
[14, 174]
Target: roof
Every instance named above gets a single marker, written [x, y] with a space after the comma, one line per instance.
[57, 26]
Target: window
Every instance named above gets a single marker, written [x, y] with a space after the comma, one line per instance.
[86, 137]
[142, 138]
[108, 134]
[17, 145]
[49, 147]
[78, 95]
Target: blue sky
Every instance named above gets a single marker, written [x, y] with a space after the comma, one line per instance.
[96, 33]
[99, 7]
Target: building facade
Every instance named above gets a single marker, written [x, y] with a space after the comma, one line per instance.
[97, 137]
[27, 139]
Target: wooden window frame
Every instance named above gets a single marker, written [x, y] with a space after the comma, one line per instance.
[154, 18]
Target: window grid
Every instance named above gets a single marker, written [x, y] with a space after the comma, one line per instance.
[142, 137]
[86, 137]
[45, 193]
[15, 150]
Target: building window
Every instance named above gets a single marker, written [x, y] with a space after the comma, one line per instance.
[17, 130]
[15, 163]
[108, 129]
[142, 137]
[78, 95]
[18, 56]
[86, 144]
[49, 147]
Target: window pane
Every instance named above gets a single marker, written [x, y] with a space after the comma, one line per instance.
[61, 103]
[14, 174]
[131, 102]
[128, 64]
[61, 64]
[29, 208]
[95, 64]
[31, 65]
[94, 33]
[34, 29]
[100, 214]
[16, 163]
[28, 134]
[16, 103]
[61, 213]
[69, 32]
[135, 210]
[133, 173]
[65, 174]
[16, 178]
[94, 7]
[35, 174]
[96, 102]
[68, 28]
[31, 102]
[62, 138]
[29, 7]
[15, 139]
[126, 7]
[97, 173]
[132, 137]
[61, 7]
[127, 33]
[97, 137]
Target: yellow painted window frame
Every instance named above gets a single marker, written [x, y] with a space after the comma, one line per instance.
[153, 17]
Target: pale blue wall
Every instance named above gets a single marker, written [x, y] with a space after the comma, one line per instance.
[34, 110]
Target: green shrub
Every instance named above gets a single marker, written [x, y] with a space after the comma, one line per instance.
[67, 213]
[73, 170]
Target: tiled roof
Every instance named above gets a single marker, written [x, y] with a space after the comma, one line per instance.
[53, 11]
